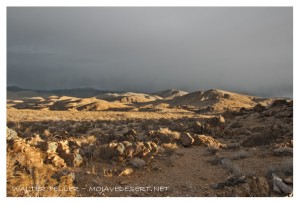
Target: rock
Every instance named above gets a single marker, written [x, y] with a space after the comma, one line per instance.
[154, 147]
[288, 180]
[72, 159]
[178, 127]
[127, 143]
[186, 139]
[259, 187]
[11, 134]
[77, 160]
[198, 128]
[148, 148]
[279, 186]
[279, 102]
[25, 154]
[63, 147]
[108, 172]
[126, 172]
[217, 121]
[137, 162]
[283, 151]
[51, 147]
[35, 140]
[207, 141]
[231, 181]
[55, 160]
[259, 108]
[139, 149]
[131, 132]
[129, 151]
[160, 150]
[120, 149]
[124, 183]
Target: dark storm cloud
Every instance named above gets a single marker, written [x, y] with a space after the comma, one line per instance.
[148, 49]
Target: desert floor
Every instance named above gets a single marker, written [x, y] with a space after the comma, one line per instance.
[173, 152]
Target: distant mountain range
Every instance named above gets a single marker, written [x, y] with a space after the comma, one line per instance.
[15, 92]
[92, 99]
[74, 92]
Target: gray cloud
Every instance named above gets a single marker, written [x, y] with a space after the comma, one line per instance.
[148, 49]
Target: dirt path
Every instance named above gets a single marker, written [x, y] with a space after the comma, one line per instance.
[186, 173]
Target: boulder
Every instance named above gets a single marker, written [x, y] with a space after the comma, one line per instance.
[77, 160]
[51, 147]
[131, 132]
[137, 162]
[63, 147]
[129, 151]
[11, 134]
[279, 186]
[288, 180]
[231, 181]
[73, 159]
[120, 148]
[198, 128]
[126, 172]
[139, 149]
[186, 139]
[55, 160]
[207, 141]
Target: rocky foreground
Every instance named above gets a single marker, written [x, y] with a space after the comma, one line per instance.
[162, 151]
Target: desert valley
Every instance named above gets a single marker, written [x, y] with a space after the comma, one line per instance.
[84, 142]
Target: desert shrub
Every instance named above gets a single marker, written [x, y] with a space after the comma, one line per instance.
[24, 169]
[256, 140]
[165, 121]
[131, 125]
[169, 147]
[170, 133]
[232, 168]
[219, 160]
[233, 146]
[212, 150]
[285, 168]
[119, 128]
[87, 140]
[240, 155]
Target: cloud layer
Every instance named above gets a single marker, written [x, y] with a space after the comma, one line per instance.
[246, 49]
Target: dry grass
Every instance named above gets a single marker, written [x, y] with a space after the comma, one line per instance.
[86, 140]
[242, 154]
[169, 147]
[89, 133]
[172, 135]
[25, 171]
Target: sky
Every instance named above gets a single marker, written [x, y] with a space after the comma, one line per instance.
[147, 49]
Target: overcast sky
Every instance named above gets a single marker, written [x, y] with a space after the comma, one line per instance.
[247, 50]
